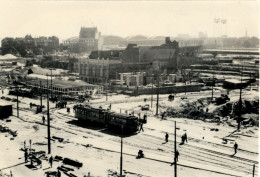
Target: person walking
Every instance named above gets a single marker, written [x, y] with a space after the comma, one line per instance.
[145, 117]
[176, 156]
[25, 156]
[163, 115]
[166, 137]
[58, 173]
[235, 148]
[43, 119]
[182, 139]
[50, 161]
[186, 138]
[141, 127]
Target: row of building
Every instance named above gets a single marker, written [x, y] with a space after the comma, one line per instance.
[103, 66]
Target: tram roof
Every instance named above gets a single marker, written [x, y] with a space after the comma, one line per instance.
[123, 115]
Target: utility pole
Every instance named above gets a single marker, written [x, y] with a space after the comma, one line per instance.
[17, 101]
[152, 95]
[51, 82]
[185, 87]
[213, 84]
[48, 120]
[41, 92]
[254, 170]
[121, 153]
[240, 102]
[157, 103]
[175, 149]
[250, 81]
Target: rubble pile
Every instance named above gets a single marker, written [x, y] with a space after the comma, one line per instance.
[194, 110]
[8, 130]
[206, 110]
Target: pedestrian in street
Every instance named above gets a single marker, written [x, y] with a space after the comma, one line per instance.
[235, 148]
[43, 119]
[163, 115]
[2, 91]
[166, 137]
[39, 162]
[176, 156]
[182, 139]
[141, 127]
[186, 138]
[50, 161]
[145, 116]
[58, 173]
[25, 156]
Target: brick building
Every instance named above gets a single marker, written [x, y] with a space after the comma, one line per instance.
[147, 54]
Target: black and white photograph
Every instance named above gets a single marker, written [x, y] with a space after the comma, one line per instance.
[142, 88]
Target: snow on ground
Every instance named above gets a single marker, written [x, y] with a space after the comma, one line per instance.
[203, 155]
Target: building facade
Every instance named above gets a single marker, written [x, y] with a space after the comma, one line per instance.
[64, 87]
[98, 71]
[132, 79]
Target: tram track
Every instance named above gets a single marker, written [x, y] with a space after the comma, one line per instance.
[202, 153]
[199, 155]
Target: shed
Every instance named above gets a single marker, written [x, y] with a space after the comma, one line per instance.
[6, 110]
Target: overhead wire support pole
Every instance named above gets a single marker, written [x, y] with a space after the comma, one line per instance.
[152, 94]
[185, 87]
[48, 120]
[240, 101]
[51, 82]
[121, 153]
[175, 149]
[157, 102]
[213, 84]
[254, 170]
[41, 92]
[17, 101]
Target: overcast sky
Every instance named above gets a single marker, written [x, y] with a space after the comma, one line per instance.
[150, 18]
